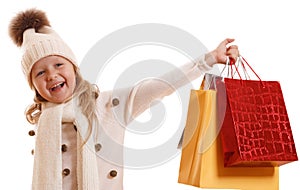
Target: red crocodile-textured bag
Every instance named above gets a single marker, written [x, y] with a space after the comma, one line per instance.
[255, 130]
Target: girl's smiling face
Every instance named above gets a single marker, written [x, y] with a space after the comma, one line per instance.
[54, 78]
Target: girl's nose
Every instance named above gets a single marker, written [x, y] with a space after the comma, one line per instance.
[51, 76]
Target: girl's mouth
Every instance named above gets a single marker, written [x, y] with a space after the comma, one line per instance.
[57, 86]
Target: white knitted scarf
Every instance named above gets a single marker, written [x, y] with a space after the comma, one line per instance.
[47, 170]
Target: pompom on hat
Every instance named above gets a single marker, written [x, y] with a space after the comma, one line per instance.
[31, 31]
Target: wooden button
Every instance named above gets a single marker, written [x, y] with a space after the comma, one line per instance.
[98, 147]
[64, 148]
[32, 151]
[113, 173]
[115, 101]
[66, 172]
[31, 133]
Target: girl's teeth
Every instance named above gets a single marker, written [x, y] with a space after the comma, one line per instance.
[57, 86]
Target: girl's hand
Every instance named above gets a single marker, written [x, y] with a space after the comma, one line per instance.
[220, 54]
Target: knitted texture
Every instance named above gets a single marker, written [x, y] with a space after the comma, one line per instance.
[37, 45]
[47, 173]
[31, 31]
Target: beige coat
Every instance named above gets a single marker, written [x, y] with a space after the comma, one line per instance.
[116, 110]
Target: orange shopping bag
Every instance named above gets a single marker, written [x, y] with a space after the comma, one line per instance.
[202, 163]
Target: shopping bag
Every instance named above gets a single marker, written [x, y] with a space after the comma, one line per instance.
[256, 130]
[202, 162]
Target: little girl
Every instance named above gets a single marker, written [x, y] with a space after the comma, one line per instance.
[77, 132]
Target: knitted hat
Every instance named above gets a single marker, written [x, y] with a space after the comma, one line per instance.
[31, 31]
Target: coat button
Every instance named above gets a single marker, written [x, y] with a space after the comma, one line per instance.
[98, 147]
[31, 133]
[113, 173]
[32, 151]
[115, 101]
[66, 172]
[64, 148]
[75, 128]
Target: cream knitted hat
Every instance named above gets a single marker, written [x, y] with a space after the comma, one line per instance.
[31, 31]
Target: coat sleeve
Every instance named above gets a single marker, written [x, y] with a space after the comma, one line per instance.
[146, 92]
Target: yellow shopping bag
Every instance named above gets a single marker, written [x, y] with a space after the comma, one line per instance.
[202, 162]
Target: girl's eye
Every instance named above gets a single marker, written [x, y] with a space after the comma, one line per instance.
[58, 64]
[40, 73]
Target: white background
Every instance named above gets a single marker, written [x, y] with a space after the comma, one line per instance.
[267, 33]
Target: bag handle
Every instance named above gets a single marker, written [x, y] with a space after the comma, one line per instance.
[233, 67]
[208, 82]
[244, 60]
